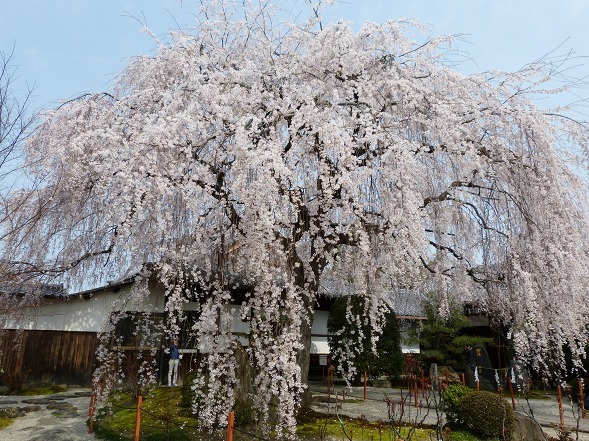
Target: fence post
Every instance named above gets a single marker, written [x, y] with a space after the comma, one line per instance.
[230, 423]
[364, 384]
[138, 418]
[92, 398]
[560, 409]
[582, 398]
[91, 409]
[511, 391]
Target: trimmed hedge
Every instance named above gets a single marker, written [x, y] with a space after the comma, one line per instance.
[487, 414]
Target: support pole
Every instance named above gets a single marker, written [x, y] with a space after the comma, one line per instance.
[365, 385]
[230, 423]
[415, 391]
[511, 391]
[463, 379]
[582, 398]
[138, 419]
[560, 409]
[91, 409]
[92, 400]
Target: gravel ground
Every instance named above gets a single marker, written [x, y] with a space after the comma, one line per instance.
[66, 424]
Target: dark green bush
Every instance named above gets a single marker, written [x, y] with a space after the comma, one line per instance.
[388, 360]
[453, 396]
[187, 392]
[487, 414]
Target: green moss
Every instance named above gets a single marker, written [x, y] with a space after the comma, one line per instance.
[162, 418]
[5, 422]
[322, 427]
[45, 390]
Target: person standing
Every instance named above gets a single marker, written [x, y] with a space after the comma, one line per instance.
[174, 353]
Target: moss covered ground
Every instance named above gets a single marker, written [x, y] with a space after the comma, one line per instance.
[5, 422]
[163, 418]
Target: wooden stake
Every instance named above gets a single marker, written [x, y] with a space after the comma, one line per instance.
[581, 398]
[478, 386]
[463, 379]
[91, 401]
[511, 391]
[230, 424]
[560, 409]
[415, 389]
[422, 382]
[138, 419]
[91, 410]
[364, 384]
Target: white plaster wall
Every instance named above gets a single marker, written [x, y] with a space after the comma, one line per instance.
[78, 313]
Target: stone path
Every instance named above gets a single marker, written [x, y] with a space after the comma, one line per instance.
[58, 417]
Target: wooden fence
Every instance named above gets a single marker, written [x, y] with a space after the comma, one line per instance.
[47, 356]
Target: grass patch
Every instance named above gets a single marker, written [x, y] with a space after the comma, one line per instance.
[462, 435]
[5, 422]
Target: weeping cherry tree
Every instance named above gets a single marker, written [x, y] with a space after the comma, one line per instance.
[298, 158]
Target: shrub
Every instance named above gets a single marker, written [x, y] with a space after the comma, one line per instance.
[388, 360]
[453, 396]
[188, 393]
[487, 414]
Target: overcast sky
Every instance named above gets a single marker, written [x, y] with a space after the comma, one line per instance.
[66, 47]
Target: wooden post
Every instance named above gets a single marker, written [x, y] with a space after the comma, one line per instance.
[92, 399]
[138, 419]
[560, 409]
[582, 398]
[230, 423]
[463, 379]
[511, 391]
[91, 410]
[328, 380]
[422, 382]
[415, 391]
[364, 384]
[478, 385]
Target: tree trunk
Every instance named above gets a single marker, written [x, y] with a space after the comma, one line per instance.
[304, 359]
